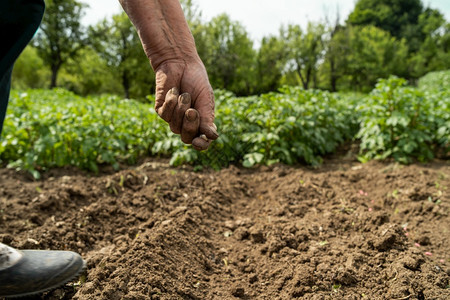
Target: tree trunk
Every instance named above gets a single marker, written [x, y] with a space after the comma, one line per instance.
[308, 77]
[333, 77]
[315, 80]
[299, 71]
[333, 71]
[126, 85]
[55, 69]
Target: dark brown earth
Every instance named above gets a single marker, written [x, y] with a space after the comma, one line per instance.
[343, 231]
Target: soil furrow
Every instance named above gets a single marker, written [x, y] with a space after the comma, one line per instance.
[342, 231]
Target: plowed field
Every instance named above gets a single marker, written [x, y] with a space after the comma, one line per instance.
[343, 231]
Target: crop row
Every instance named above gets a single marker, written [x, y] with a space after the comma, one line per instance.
[54, 128]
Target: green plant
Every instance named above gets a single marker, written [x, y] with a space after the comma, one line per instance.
[291, 126]
[402, 122]
[55, 128]
[46, 129]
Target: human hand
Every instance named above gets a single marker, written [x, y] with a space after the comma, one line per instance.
[185, 99]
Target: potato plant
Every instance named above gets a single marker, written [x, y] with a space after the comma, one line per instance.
[402, 122]
[436, 86]
[55, 128]
[291, 126]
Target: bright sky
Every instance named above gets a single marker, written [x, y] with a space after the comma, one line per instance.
[261, 17]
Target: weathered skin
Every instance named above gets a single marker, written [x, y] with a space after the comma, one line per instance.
[184, 97]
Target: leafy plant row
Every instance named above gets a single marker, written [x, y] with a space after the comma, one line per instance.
[290, 126]
[54, 128]
[406, 123]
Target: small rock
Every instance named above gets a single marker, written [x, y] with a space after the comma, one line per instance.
[33, 241]
[166, 222]
[227, 233]
[66, 179]
[60, 224]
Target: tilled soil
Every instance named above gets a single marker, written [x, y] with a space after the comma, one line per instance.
[342, 231]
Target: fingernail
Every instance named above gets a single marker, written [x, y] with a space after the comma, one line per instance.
[185, 98]
[214, 130]
[174, 91]
[204, 137]
[191, 115]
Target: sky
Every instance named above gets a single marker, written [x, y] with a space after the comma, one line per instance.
[260, 17]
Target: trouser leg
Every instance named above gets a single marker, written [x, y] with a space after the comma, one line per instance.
[19, 20]
[5, 86]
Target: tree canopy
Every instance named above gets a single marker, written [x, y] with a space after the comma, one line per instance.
[61, 35]
[398, 17]
[379, 38]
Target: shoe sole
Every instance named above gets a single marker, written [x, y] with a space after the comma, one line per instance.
[80, 270]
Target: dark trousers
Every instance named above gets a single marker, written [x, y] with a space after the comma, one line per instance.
[19, 20]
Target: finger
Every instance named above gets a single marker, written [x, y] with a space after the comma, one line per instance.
[166, 110]
[205, 107]
[210, 131]
[184, 102]
[189, 130]
[166, 78]
[201, 143]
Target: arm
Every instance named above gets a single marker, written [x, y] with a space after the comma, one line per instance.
[184, 97]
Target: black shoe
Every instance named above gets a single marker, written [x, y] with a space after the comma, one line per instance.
[39, 271]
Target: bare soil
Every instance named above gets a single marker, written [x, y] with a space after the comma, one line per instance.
[342, 231]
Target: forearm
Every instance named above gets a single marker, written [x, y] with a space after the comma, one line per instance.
[163, 30]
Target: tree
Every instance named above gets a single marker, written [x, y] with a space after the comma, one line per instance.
[29, 71]
[336, 54]
[393, 16]
[305, 49]
[398, 17]
[192, 12]
[270, 63]
[434, 52]
[90, 75]
[198, 29]
[334, 50]
[117, 42]
[371, 53]
[61, 35]
[228, 55]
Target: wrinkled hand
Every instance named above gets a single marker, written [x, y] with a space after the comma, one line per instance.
[185, 99]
